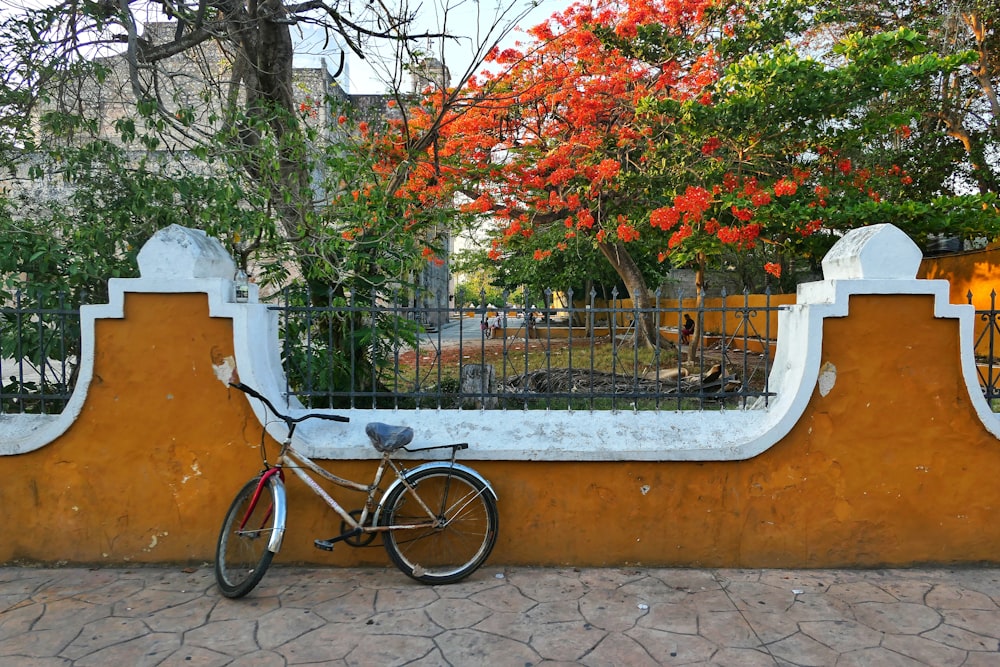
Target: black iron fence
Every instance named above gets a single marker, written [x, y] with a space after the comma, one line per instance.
[555, 352]
[559, 354]
[39, 349]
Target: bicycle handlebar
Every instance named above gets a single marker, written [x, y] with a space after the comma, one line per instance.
[250, 391]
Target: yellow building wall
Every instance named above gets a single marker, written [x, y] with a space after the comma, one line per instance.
[890, 467]
[735, 315]
[976, 272]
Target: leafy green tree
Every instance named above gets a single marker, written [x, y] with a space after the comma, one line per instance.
[956, 137]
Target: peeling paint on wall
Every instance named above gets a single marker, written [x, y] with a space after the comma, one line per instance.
[225, 369]
[155, 540]
[827, 378]
[195, 472]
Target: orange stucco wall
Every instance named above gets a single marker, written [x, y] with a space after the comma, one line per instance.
[890, 467]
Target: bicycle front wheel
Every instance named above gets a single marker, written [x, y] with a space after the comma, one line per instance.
[465, 533]
[242, 555]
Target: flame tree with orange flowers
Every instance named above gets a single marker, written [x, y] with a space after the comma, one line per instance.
[688, 129]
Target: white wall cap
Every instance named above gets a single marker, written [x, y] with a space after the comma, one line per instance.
[178, 252]
[873, 252]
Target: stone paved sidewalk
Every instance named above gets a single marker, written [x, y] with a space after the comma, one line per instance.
[631, 617]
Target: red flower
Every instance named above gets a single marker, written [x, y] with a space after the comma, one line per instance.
[678, 237]
[785, 187]
[627, 233]
[608, 169]
[728, 234]
[665, 218]
[773, 268]
[742, 214]
[693, 203]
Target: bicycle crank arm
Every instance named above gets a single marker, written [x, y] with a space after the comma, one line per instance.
[327, 545]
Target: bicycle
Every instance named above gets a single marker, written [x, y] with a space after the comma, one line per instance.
[438, 520]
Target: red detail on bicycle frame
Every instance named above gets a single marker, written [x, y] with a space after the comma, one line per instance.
[271, 472]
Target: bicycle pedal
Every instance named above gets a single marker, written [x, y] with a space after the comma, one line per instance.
[325, 545]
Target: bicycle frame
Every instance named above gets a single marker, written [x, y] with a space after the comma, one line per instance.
[280, 507]
[299, 463]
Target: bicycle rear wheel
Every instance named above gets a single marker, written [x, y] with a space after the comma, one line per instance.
[242, 555]
[466, 532]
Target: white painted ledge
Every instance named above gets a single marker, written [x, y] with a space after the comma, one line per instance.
[873, 260]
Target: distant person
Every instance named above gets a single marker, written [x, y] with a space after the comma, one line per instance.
[530, 325]
[688, 330]
[495, 326]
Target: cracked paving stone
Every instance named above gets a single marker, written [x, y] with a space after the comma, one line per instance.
[470, 647]
[926, 650]
[906, 618]
[804, 651]
[611, 610]
[617, 649]
[842, 636]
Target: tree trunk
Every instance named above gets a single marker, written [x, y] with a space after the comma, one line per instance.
[635, 283]
[267, 50]
[699, 286]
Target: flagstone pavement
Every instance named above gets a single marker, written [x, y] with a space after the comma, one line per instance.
[173, 616]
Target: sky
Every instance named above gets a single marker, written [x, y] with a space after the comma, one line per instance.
[469, 20]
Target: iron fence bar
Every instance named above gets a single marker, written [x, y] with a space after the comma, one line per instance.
[591, 328]
[679, 366]
[569, 335]
[991, 379]
[635, 348]
[20, 341]
[767, 345]
[40, 361]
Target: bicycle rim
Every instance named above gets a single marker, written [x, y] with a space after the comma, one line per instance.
[460, 545]
[242, 555]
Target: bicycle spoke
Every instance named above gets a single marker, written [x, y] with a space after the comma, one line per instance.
[242, 554]
[458, 545]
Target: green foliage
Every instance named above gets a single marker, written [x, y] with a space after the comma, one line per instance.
[839, 122]
[41, 331]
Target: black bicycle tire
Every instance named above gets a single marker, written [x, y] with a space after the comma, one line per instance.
[438, 574]
[233, 584]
